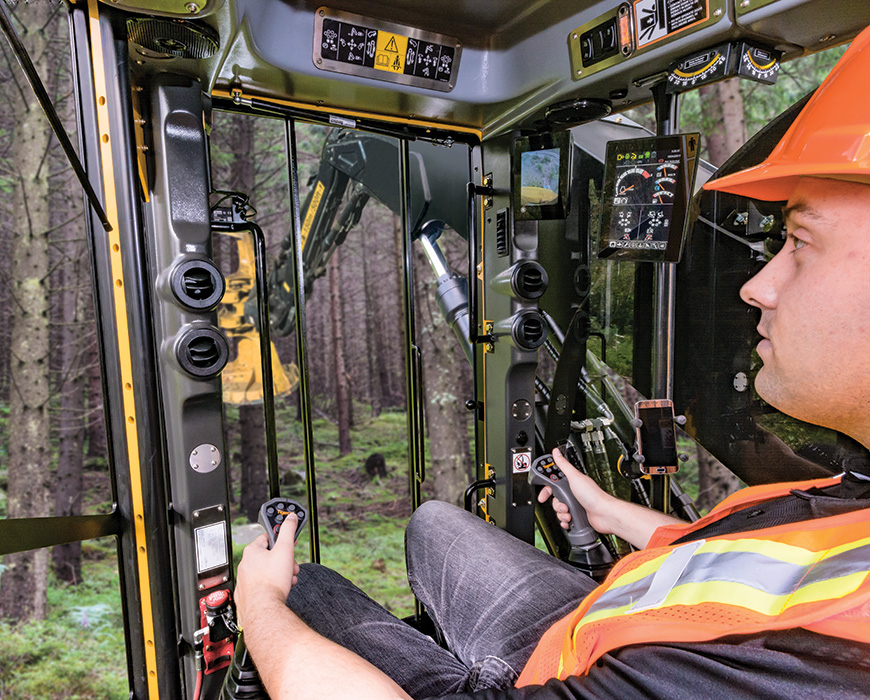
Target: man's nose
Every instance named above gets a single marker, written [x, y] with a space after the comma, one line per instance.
[762, 289]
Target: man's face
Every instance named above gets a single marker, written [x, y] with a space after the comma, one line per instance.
[814, 298]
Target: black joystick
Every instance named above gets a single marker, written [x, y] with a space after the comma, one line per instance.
[587, 551]
[273, 514]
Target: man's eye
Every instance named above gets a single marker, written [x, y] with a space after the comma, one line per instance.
[796, 242]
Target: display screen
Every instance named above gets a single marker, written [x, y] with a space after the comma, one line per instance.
[541, 176]
[647, 187]
[657, 436]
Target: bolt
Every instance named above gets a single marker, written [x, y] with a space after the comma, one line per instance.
[487, 202]
[321, 13]
[224, 579]
[319, 61]
[718, 12]
[195, 453]
[489, 347]
[744, 3]
[202, 586]
[192, 7]
[196, 514]
[489, 328]
[196, 466]
[213, 448]
[579, 72]
[220, 509]
[575, 36]
[213, 463]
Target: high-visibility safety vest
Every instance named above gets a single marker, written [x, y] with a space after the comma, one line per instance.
[812, 574]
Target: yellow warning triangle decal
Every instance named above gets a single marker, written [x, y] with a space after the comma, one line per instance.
[391, 46]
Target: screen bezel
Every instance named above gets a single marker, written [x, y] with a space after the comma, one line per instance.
[542, 142]
[688, 166]
[644, 411]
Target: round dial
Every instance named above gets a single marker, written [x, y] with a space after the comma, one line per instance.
[632, 186]
[698, 70]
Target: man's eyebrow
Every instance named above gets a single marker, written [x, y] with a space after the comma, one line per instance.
[803, 208]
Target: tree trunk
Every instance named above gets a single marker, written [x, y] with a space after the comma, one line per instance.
[74, 342]
[372, 331]
[254, 481]
[722, 107]
[339, 370]
[24, 583]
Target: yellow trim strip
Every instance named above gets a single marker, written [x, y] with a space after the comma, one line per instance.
[217, 92]
[124, 358]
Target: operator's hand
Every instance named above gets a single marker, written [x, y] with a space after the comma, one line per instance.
[594, 500]
[266, 574]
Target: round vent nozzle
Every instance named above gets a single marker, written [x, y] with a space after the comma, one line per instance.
[176, 37]
[202, 352]
[197, 284]
[529, 280]
[529, 330]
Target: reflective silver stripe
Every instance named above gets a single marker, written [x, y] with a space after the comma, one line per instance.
[763, 573]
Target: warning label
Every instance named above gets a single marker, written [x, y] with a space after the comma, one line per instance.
[522, 461]
[390, 52]
[657, 19]
[312, 211]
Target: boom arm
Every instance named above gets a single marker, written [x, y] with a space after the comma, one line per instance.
[364, 165]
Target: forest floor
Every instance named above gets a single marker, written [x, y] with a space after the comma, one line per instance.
[78, 652]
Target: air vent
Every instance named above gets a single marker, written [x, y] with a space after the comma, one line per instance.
[529, 330]
[197, 284]
[502, 245]
[529, 280]
[202, 352]
[173, 37]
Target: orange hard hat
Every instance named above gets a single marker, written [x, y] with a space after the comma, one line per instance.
[829, 138]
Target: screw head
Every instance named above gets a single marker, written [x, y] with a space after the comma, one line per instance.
[192, 7]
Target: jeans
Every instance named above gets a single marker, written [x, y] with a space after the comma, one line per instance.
[491, 595]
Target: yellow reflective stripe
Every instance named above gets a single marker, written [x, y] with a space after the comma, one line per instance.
[830, 588]
[847, 546]
[645, 569]
[741, 594]
[787, 553]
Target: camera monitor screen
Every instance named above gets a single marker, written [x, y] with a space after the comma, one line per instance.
[647, 189]
[541, 174]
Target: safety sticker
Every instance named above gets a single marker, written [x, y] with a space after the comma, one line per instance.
[657, 19]
[312, 210]
[390, 53]
[522, 459]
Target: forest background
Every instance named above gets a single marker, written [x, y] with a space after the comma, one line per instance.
[65, 623]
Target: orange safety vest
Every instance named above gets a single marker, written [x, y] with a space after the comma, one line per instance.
[813, 574]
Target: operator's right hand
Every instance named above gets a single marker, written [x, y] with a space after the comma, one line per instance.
[594, 500]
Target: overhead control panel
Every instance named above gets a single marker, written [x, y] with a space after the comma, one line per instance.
[371, 48]
[635, 27]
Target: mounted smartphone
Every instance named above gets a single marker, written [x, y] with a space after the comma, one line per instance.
[656, 436]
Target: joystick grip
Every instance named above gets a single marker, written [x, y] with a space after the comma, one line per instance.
[545, 472]
[274, 512]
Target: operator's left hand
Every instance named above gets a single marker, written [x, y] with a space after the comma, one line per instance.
[266, 574]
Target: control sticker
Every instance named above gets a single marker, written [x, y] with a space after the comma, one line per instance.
[372, 48]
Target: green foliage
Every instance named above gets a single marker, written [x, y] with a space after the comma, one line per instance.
[77, 652]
